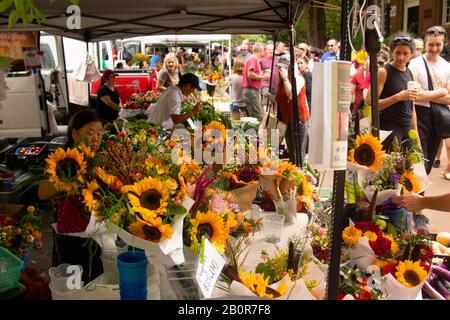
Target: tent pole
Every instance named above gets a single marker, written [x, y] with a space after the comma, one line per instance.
[295, 121]
[338, 219]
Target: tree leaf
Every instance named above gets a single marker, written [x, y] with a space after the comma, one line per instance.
[5, 4]
[75, 2]
[13, 18]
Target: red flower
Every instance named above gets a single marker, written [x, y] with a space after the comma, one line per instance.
[368, 226]
[365, 295]
[341, 296]
[425, 265]
[109, 142]
[426, 253]
[122, 135]
[117, 185]
[389, 268]
[381, 246]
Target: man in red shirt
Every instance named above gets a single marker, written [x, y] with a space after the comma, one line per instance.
[252, 81]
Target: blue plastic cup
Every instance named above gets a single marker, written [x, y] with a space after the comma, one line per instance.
[132, 267]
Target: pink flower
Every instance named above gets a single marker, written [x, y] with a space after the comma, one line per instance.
[218, 204]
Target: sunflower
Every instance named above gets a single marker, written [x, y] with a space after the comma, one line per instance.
[367, 152]
[351, 235]
[148, 197]
[87, 151]
[410, 273]
[107, 178]
[219, 127]
[260, 286]
[372, 236]
[152, 229]
[212, 226]
[183, 189]
[231, 221]
[306, 188]
[65, 167]
[409, 182]
[394, 245]
[286, 168]
[89, 197]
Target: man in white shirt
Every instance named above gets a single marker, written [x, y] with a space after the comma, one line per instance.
[435, 38]
[166, 112]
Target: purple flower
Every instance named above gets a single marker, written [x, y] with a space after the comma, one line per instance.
[394, 178]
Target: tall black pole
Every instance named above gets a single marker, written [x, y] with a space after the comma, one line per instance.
[296, 136]
[337, 222]
[372, 45]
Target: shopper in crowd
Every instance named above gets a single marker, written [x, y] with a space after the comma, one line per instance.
[128, 63]
[435, 38]
[167, 111]
[157, 58]
[169, 73]
[85, 127]
[382, 58]
[266, 65]
[244, 53]
[418, 43]
[285, 112]
[332, 53]
[252, 80]
[119, 66]
[304, 50]
[108, 99]
[396, 101]
[416, 202]
[303, 67]
[359, 82]
[236, 89]
[314, 56]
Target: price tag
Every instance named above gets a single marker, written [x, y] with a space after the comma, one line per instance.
[208, 273]
[339, 155]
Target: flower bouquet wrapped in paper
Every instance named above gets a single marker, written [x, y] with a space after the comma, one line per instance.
[144, 201]
[278, 178]
[366, 242]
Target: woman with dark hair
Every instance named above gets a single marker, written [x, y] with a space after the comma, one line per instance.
[108, 105]
[397, 113]
[85, 127]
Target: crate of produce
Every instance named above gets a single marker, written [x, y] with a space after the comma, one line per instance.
[24, 156]
[10, 266]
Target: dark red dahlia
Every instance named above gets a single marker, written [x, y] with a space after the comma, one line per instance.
[381, 247]
[368, 226]
[426, 253]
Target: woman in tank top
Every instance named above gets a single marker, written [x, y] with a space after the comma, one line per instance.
[397, 113]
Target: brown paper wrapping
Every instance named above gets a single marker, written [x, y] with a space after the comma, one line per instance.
[245, 196]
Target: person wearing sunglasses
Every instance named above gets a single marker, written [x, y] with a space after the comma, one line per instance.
[439, 69]
[395, 100]
[333, 48]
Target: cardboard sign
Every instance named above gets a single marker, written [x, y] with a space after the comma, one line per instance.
[208, 273]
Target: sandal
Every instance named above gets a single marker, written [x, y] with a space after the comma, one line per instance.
[446, 175]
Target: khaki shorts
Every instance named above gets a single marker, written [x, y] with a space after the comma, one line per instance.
[252, 100]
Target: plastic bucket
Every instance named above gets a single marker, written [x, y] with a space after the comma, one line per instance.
[132, 267]
[65, 295]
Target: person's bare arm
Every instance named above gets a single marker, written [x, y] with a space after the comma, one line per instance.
[425, 96]
[415, 202]
[353, 91]
[107, 100]
[255, 77]
[180, 118]
[160, 86]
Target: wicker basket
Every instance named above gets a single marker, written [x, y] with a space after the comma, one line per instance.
[10, 266]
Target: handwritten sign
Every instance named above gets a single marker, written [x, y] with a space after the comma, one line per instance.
[208, 273]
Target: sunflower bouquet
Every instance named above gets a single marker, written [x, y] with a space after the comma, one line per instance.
[141, 193]
[69, 170]
[279, 179]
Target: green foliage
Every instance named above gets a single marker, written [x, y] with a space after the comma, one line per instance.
[236, 39]
[26, 10]
[273, 268]
[206, 115]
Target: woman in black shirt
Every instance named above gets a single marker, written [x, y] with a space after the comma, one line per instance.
[397, 113]
[109, 104]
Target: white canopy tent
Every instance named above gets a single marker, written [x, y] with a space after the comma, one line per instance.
[115, 19]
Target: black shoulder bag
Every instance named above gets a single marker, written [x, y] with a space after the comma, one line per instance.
[440, 113]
